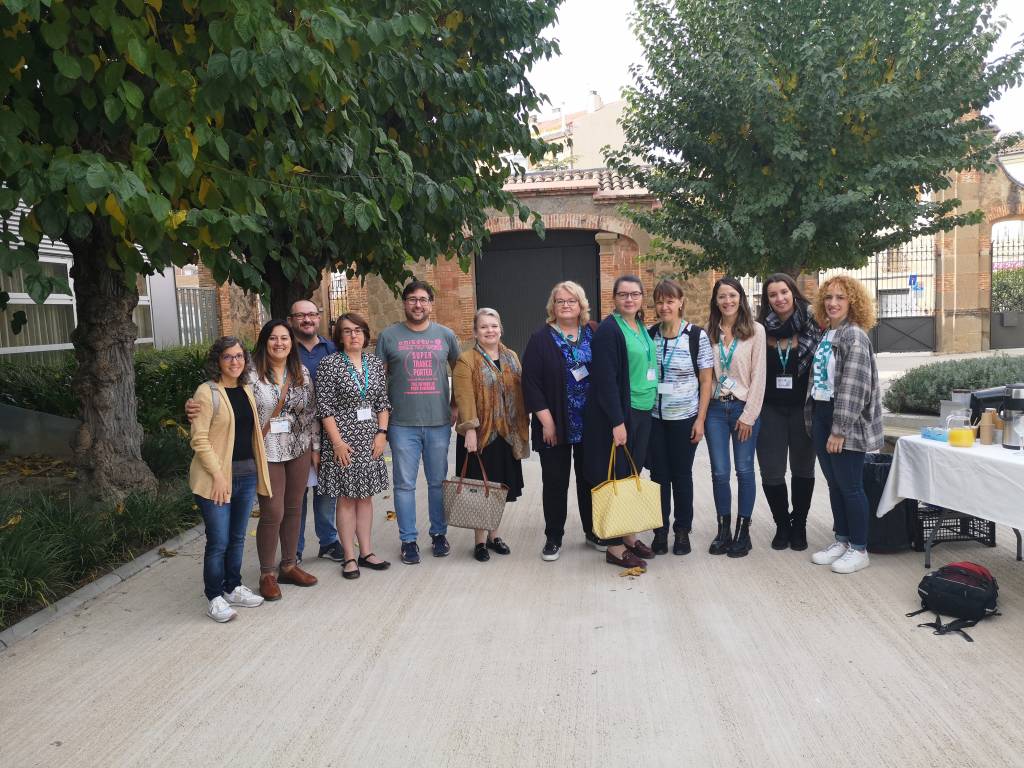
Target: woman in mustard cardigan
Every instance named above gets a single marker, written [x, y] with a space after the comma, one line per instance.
[228, 470]
[493, 422]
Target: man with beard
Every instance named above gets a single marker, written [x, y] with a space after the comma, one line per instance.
[419, 354]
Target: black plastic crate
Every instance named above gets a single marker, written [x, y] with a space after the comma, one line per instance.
[960, 527]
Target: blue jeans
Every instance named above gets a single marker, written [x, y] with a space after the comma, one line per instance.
[226, 525]
[844, 473]
[720, 429]
[408, 445]
[323, 520]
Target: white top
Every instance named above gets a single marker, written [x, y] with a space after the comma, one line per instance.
[823, 369]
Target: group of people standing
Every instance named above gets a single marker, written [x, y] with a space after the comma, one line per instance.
[304, 411]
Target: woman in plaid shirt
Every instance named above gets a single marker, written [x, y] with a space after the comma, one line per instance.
[843, 415]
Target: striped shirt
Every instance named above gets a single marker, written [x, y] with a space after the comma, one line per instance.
[676, 368]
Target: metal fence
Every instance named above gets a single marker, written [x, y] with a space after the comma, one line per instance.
[1006, 329]
[337, 296]
[197, 315]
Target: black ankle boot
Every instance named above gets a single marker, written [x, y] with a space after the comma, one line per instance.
[741, 544]
[660, 543]
[778, 503]
[681, 546]
[720, 544]
[803, 490]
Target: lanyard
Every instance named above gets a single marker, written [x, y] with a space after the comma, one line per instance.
[572, 347]
[488, 358]
[666, 363]
[365, 386]
[726, 359]
[784, 359]
[652, 357]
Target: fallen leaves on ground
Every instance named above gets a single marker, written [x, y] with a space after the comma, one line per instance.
[164, 552]
[633, 572]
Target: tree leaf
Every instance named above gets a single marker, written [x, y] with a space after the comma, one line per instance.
[67, 65]
[113, 208]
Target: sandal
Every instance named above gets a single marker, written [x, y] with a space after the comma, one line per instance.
[499, 546]
[364, 562]
[350, 574]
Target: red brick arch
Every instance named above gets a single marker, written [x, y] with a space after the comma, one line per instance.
[591, 221]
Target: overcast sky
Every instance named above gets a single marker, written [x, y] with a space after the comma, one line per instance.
[598, 47]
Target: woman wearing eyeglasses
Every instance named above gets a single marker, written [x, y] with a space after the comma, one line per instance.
[228, 470]
[623, 387]
[352, 403]
[556, 380]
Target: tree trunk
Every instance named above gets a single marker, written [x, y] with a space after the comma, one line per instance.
[108, 446]
[285, 292]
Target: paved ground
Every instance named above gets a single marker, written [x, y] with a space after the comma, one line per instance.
[703, 661]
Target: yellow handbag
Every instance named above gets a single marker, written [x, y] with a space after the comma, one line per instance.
[626, 506]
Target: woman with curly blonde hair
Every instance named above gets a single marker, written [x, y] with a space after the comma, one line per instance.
[843, 415]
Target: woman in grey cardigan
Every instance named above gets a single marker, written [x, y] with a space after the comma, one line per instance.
[843, 414]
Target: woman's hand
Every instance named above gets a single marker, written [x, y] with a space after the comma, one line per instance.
[834, 444]
[743, 431]
[471, 441]
[548, 432]
[550, 435]
[697, 433]
[221, 490]
[619, 435]
[343, 453]
[191, 409]
[380, 442]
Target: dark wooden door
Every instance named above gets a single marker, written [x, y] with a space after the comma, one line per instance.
[517, 270]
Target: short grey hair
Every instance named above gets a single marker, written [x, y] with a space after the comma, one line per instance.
[488, 312]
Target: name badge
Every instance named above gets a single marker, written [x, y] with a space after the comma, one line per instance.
[652, 375]
[364, 414]
[280, 426]
[727, 382]
[580, 372]
[783, 382]
[667, 388]
[821, 395]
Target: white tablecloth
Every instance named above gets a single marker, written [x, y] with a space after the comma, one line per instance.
[986, 481]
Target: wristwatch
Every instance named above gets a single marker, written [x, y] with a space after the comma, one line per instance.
[382, 431]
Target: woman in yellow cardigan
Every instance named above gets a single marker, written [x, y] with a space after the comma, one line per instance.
[493, 422]
[228, 470]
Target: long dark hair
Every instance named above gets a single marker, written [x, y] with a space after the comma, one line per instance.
[800, 303]
[261, 361]
[743, 328]
[630, 279]
[212, 365]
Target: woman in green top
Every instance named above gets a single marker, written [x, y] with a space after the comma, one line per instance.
[623, 387]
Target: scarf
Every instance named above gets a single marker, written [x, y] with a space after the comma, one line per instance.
[801, 325]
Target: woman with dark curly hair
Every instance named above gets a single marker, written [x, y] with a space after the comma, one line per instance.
[228, 470]
[843, 415]
[792, 334]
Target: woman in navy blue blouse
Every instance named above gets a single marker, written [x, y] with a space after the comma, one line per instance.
[555, 385]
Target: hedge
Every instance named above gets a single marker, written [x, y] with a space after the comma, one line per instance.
[1008, 290]
[920, 389]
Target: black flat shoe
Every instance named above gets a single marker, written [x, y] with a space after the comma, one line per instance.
[364, 562]
[499, 546]
[660, 544]
[480, 553]
[350, 574]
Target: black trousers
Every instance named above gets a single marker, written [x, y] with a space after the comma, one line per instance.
[555, 464]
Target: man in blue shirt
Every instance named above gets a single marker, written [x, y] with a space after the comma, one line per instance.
[304, 319]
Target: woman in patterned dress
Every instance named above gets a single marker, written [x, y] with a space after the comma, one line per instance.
[284, 401]
[352, 403]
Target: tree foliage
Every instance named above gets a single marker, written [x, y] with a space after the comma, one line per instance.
[788, 135]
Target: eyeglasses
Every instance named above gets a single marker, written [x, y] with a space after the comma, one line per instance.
[418, 300]
[629, 295]
[566, 302]
[305, 316]
[351, 331]
[237, 358]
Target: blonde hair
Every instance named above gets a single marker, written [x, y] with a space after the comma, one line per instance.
[862, 306]
[486, 312]
[577, 292]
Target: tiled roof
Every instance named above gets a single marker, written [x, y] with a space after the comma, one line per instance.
[1013, 149]
[601, 182]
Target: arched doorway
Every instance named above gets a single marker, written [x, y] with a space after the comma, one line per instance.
[516, 270]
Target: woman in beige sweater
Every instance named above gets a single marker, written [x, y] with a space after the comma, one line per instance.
[734, 415]
[228, 470]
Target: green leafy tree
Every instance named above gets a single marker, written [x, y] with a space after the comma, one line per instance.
[791, 135]
[268, 139]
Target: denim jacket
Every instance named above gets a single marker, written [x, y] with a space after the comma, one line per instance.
[857, 414]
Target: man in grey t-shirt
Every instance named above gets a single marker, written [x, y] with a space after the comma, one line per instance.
[418, 355]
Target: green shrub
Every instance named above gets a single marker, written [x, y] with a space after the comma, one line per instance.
[167, 451]
[1008, 290]
[920, 390]
[42, 387]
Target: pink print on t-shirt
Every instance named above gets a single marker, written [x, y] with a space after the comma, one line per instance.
[419, 356]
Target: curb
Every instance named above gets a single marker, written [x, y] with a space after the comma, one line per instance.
[76, 599]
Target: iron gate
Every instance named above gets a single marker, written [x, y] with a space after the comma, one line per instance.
[1007, 316]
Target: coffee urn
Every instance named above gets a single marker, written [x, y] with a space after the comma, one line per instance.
[1012, 414]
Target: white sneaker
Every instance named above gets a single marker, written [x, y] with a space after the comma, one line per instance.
[220, 611]
[853, 560]
[830, 554]
[244, 597]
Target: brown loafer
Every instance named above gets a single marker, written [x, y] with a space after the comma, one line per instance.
[268, 587]
[296, 576]
[628, 560]
[641, 550]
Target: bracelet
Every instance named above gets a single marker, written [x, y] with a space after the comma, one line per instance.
[381, 431]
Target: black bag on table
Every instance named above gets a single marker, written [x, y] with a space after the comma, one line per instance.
[966, 591]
